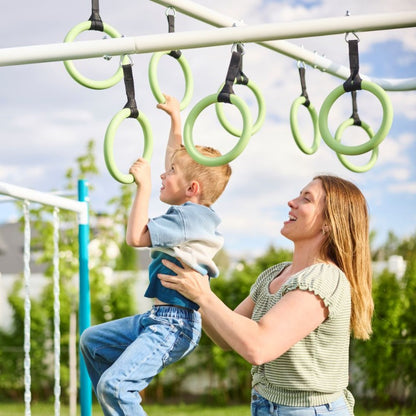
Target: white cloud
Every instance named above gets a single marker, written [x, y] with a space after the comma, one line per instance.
[406, 187]
[404, 104]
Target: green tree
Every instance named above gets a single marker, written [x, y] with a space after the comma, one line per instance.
[407, 342]
[389, 248]
[407, 247]
[388, 371]
[377, 358]
[11, 351]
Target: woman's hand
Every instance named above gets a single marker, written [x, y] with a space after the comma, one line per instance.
[187, 281]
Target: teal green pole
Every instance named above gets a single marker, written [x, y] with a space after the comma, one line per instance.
[84, 296]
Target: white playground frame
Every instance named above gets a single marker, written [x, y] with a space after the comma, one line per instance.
[262, 34]
[80, 207]
[229, 30]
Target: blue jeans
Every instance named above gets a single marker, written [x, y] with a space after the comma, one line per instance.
[124, 355]
[263, 407]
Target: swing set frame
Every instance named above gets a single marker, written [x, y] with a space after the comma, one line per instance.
[269, 35]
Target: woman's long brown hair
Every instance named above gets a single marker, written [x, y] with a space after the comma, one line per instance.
[348, 246]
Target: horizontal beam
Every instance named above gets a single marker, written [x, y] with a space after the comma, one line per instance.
[44, 198]
[204, 38]
[212, 17]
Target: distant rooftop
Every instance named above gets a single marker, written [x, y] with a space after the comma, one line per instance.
[11, 250]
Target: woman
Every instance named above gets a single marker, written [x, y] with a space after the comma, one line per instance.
[295, 325]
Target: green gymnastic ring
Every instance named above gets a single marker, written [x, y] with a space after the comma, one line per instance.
[343, 159]
[375, 140]
[295, 130]
[109, 143]
[76, 75]
[219, 108]
[154, 84]
[236, 150]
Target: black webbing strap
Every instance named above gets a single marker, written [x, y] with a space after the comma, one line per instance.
[353, 83]
[171, 24]
[233, 70]
[96, 22]
[129, 84]
[354, 115]
[303, 86]
[241, 77]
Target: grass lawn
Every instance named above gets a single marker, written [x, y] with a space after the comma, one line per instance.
[41, 409]
[153, 410]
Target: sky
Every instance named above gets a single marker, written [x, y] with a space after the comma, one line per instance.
[47, 119]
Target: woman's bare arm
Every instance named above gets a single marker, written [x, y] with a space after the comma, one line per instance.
[245, 308]
[257, 342]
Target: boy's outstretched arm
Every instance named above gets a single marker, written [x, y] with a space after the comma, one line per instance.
[172, 107]
[137, 234]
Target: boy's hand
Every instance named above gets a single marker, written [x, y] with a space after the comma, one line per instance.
[141, 172]
[171, 106]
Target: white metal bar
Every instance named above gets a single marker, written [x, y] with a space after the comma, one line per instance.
[284, 47]
[5, 199]
[203, 38]
[43, 198]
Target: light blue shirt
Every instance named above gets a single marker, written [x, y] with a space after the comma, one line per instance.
[188, 232]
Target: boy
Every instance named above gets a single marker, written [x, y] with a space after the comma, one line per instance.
[123, 356]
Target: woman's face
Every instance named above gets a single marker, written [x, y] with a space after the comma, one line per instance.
[306, 220]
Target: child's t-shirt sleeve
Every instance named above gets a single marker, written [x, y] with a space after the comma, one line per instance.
[167, 230]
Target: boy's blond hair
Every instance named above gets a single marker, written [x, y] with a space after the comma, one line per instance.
[212, 179]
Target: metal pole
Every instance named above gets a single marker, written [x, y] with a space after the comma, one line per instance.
[41, 197]
[284, 47]
[204, 38]
[73, 377]
[84, 297]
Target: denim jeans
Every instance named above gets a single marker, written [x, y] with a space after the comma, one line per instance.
[123, 356]
[263, 407]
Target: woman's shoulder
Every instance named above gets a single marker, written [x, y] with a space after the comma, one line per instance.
[276, 269]
[324, 279]
[329, 269]
[260, 286]
[321, 273]
[270, 273]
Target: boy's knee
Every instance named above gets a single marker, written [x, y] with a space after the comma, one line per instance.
[84, 340]
[106, 388]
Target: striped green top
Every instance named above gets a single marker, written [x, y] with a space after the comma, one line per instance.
[314, 371]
